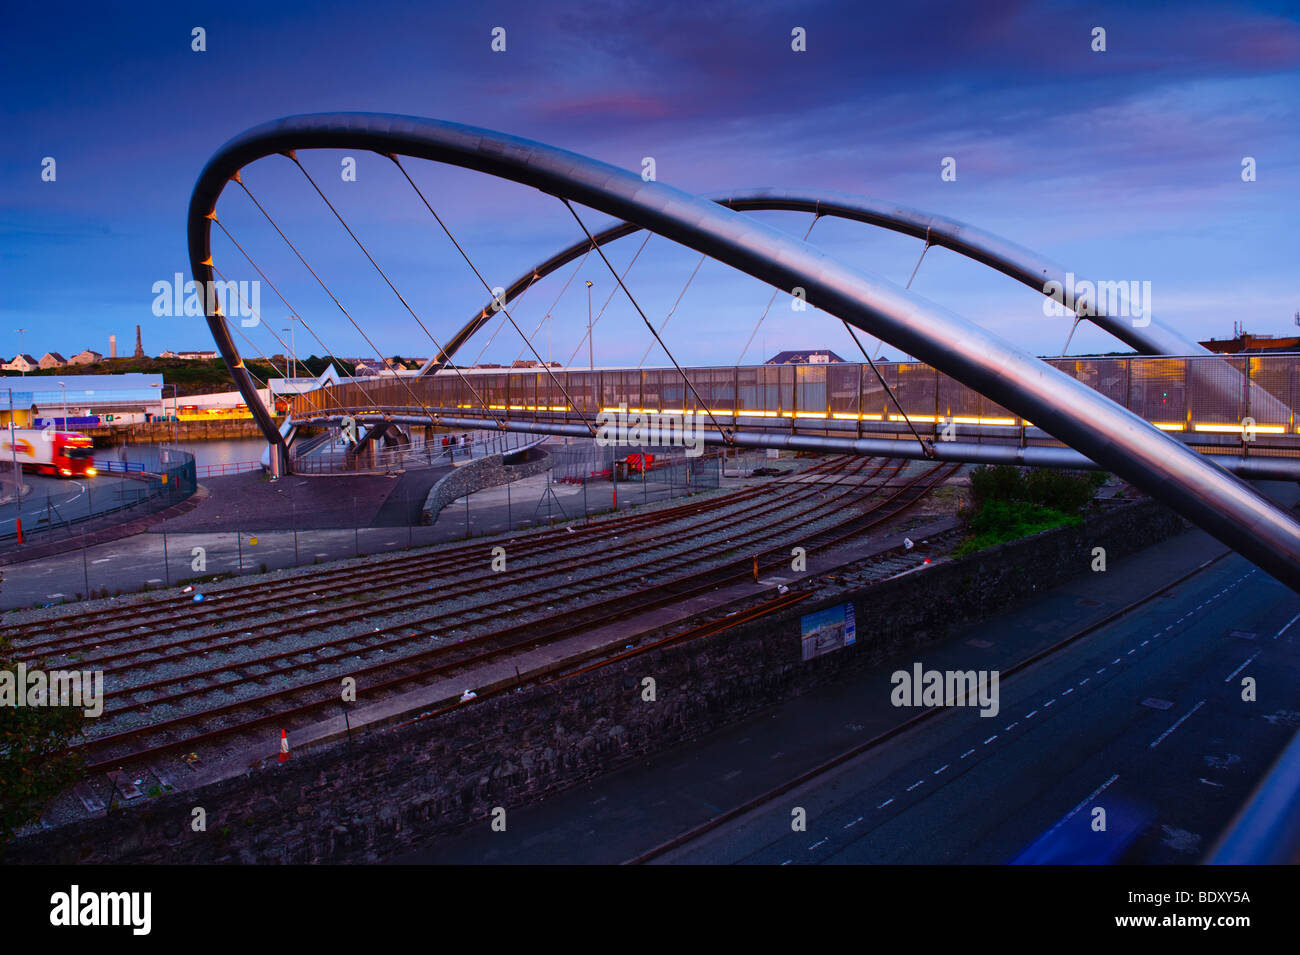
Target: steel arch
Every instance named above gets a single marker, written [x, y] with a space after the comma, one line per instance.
[1001, 254]
[1112, 436]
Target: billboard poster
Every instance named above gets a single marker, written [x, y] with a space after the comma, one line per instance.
[828, 630]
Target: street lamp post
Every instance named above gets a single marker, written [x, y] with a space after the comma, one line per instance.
[591, 347]
[293, 342]
[65, 405]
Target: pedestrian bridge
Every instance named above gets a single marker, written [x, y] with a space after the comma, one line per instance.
[1239, 409]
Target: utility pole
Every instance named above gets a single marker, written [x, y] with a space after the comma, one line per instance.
[591, 348]
[21, 352]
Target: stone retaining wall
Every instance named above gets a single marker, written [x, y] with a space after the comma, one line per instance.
[481, 473]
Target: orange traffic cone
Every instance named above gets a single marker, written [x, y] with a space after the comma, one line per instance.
[284, 746]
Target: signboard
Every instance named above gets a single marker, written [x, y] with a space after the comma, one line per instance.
[828, 630]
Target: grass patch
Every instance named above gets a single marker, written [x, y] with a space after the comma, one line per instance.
[997, 522]
[1011, 503]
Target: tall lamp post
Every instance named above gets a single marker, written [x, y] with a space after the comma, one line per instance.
[591, 348]
[162, 394]
[65, 405]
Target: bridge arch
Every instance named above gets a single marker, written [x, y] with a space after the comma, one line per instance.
[1001, 254]
[1069, 410]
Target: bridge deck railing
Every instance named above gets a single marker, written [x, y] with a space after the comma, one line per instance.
[1210, 401]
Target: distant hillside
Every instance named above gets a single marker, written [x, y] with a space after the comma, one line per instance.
[191, 377]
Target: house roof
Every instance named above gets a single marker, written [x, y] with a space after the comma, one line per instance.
[802, 357]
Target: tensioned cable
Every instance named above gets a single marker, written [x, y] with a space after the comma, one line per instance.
[664, 324]
[501, 324]
[321, 282]
[547, 315]
[468, 261]
[775, 292]
[293, 156]
[926, 449]
[1070, 337]
[880, 342]
[609, 298]
[292, 311]
[257, 351]
[726, 436]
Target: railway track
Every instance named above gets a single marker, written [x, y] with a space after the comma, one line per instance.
[390, 571]
[415, 666]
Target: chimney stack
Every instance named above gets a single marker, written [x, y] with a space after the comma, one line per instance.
[139, 349]
[112, 346]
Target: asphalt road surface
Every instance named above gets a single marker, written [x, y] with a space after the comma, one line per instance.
[1142, 718]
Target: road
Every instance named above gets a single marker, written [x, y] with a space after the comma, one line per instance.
[1142, 718]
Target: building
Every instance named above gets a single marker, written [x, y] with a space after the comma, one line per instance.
[811, 357]
[168, 354]
[52, 359]
[86, 357]
[1247, 344]
[22, 363]
[112, 399]
[197, 355]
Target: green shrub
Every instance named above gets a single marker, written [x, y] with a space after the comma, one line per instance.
[997, 482]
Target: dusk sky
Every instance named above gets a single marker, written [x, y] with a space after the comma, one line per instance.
[1120, 165]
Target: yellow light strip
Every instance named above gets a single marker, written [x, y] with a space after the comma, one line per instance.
[1238, 429]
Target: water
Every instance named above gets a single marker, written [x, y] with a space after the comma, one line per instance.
[226, 451]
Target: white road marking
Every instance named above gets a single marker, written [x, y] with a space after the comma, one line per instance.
[885, 803]
[1007, 729]
[915, 784]
[1159, 739]
[816, 844]
[1084, 680]
[1208, 783]
[1030, 714]
[1131, 652]
[1287, 627]
[1145, 642]
[991, 739]
[1113, 662]
[1049, 702]
[850, 825]
[967, 753]
[1242, 667]
[1087, 799]
[940, 769]
[1067, 692]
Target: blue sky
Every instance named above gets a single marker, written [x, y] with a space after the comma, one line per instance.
[1123, 165]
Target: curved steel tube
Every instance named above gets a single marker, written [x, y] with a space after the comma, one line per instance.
[1068, 410]
[998, 253]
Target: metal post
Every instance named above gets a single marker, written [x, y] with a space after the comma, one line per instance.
[508, 521]
[167, 576]
[239, 542]
[85, 566]
[466, 516]
[294, 517]
[356, 529]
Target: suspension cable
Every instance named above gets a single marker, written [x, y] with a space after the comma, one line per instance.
[294, 313]
[680, 295]
[399, 295]
[927, 450]
[880, 342]
[775, 292]
[468, 261]
[609, 298]
[547, 314]
[321, 282]
[726, 435]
